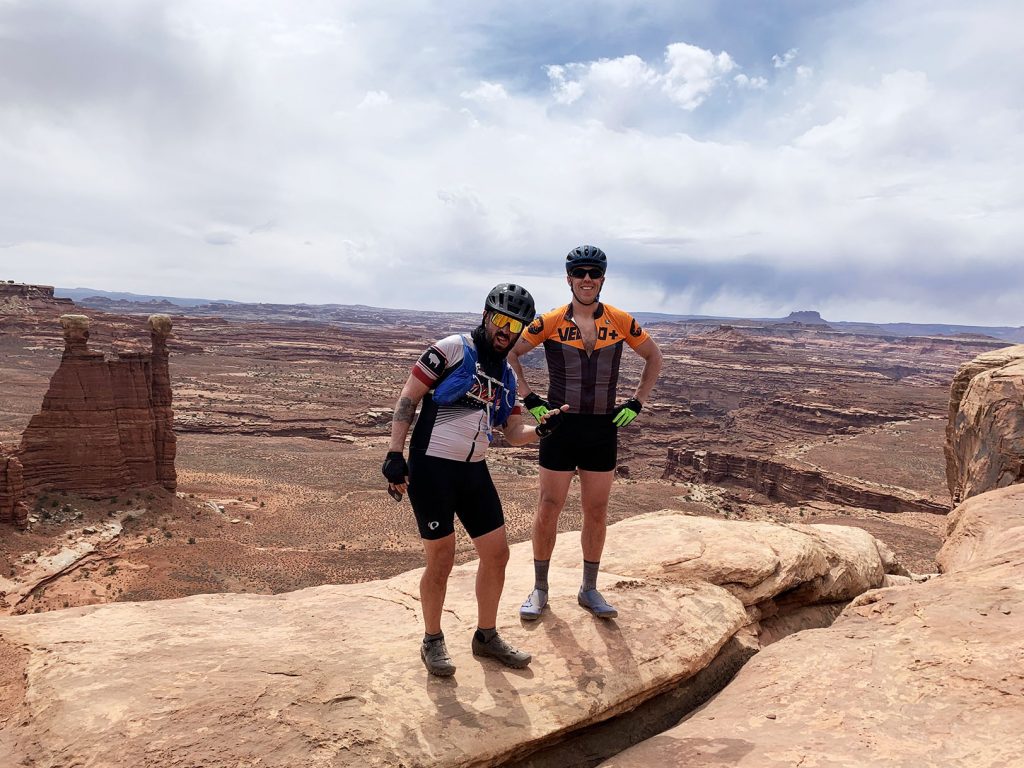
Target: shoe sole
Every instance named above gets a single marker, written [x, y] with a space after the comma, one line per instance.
[503, 662]
[600, 614]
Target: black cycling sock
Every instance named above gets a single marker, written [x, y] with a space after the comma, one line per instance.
[427, 637]
[540, 574]
[590, 574]
[486, 635]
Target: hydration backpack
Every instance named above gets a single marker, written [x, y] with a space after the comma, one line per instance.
[459, 383]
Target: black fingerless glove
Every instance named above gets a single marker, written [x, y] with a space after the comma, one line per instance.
[550, 424]
[395, 469]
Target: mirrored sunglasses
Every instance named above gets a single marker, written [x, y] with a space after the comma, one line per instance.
[592, 272]
[500, 320]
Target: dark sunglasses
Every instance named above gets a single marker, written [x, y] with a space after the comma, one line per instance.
[592, 272]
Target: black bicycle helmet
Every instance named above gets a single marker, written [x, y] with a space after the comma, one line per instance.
[512, 300]
[586, 256]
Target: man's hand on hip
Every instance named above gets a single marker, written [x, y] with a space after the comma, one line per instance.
[627, 412]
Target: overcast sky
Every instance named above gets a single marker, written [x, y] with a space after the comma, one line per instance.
[864, 159]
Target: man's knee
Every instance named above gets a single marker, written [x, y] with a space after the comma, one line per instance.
[596, 512]
[551, 504]
[496, 557]
[439, 566]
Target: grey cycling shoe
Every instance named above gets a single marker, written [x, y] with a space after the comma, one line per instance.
[534, 605]
[592, 600]
[496, 648]
[436, 659]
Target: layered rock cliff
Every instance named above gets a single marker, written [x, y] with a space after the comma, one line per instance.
[105, 425]
[789, 483]
[985, 432]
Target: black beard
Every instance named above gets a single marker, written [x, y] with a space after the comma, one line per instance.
[488, 357]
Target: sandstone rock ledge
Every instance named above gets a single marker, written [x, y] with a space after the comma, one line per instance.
[931, 675]
[330, 676]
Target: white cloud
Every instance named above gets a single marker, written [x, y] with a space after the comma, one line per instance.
[693, 73]
[374, 99]
[752, 83]
[486, 92]
[614, 87]
[783, 61]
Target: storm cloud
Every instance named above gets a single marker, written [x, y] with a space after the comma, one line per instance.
[859, 160]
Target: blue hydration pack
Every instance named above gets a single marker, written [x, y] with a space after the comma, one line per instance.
[460, 381]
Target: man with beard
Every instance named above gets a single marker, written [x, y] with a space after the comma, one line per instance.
[583, 347]
[467, 389]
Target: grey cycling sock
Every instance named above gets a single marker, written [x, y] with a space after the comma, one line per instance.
[428, 637]
[486, 635]
[540, 574]
[590, 575]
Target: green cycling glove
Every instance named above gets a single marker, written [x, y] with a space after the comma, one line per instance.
[626, 412]
[536, 405]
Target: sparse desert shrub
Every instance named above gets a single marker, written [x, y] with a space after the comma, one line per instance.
[168, 534]
[191, 539]
[149, 539]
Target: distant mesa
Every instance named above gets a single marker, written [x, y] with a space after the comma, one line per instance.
[804, 317]
[25, 298]
[105, 426]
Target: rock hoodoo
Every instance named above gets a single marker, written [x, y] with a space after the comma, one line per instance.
[12, 489]
[105, 425]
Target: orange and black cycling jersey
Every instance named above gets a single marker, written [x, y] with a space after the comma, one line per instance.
[586, 382]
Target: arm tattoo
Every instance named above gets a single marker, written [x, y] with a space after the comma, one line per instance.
[405, 410]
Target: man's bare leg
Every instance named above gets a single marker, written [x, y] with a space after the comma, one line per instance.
[440, 555]
[490, 580]
[554, 487]
[490, 575]
[595, 489]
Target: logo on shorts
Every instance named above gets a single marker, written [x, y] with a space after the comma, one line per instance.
[433, 525]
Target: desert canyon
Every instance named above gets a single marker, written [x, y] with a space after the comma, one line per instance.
[817, 549]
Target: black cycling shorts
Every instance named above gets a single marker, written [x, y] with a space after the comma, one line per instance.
[583, 441]
[439, 489]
